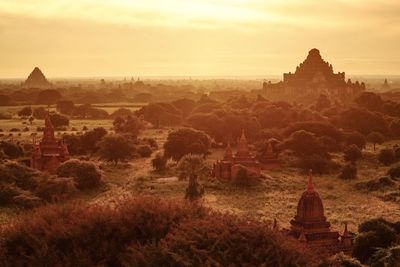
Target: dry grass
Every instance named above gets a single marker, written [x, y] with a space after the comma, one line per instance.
[276, 197]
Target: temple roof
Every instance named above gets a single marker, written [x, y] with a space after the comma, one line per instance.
[48, 132]
[310, 208]
[228, 152]
[242, 148]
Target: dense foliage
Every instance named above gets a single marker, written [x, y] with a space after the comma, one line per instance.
[142, 231]
[186, 141]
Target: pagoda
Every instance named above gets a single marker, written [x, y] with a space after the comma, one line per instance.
[228, 167]
[36, 80]
[50, 152]
[269, 158]
[311, 227]
[314, 76]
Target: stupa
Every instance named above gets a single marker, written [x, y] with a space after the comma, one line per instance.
[311, 227]
[50, 152]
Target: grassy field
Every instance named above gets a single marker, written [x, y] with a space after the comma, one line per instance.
[276, 196]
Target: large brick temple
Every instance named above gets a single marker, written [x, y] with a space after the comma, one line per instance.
[50, 152]
[314, 76]
[311, 227]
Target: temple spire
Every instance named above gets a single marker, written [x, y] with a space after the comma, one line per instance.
[242, 149]
[310, 185]
[228, 151]
[345, 232]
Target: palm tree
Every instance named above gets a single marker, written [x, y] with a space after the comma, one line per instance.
[192, 167]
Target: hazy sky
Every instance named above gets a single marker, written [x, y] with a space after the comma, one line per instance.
[189, 37]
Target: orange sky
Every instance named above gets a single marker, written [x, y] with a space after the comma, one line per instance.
[192, 37]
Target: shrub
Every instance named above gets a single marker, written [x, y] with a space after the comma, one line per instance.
[27, 200]
[59, 120]
[80, 234]
[349, 171]
[318, 164]
[11, 150]
[352, 153]
[192, 167]
[186, 141]
[355, 138]
[394, 171]
[304, 144]
[159, 162]
[376, 184]
[7, 194]
[386, 257]
[218, 240]
[25, 112]
[341, 260]
[23, 176]
[90, 139]
[53, 188]
[115, 148]
[86, 174]
[244, 178]
[129, 125]
[39, 113]
[144, 151]
[373, 234]
[315, 127]
[375, 138]
[386, 156]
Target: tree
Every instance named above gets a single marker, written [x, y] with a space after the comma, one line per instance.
[90, 139]
[48, 97]
[192, 167]
[186, 141]
[160, 114]
[121, 112]
[386, 257]
[349, 171]
[375, 138]
[304, 143]
[59, 120]
[373, 234]
[355, 138]
[31, 119]
[323, 102]
[12, 150]
[115, 148]
[85, 173]
[25, 112]
[65, 107]
[39, 113]
[159, 162]
[363, 121]
[352, 153]
[370, 101]
[185, 105]
[130, 125]
[386, 156]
